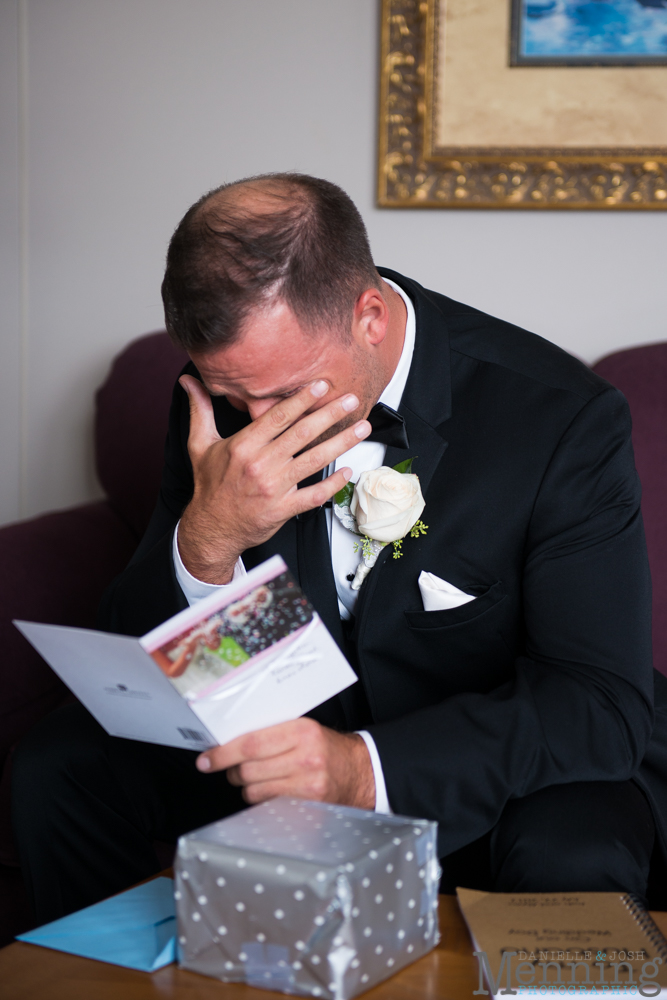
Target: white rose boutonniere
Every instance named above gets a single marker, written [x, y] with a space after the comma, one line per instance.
[384, 506]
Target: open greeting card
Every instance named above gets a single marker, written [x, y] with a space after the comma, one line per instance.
[251, 655]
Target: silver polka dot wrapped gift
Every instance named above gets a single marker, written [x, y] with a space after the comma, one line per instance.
[307, 898]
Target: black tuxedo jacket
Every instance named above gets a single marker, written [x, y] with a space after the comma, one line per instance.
[533, 506]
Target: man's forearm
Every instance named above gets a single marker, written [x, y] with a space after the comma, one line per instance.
[210, 560]
[193, 588]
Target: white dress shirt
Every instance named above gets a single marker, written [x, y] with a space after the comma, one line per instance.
[363, 457]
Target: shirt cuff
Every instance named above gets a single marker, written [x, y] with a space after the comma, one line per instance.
[193, 588]
[381, 799]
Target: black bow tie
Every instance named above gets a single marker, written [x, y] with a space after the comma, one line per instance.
[388, 427]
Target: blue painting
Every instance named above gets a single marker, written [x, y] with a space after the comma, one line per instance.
[589, 32]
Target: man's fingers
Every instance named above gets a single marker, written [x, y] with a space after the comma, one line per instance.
[314, 496]
[315, 763]
[203, 432]
[323, 454]
[254, 794]
[313, 425]
[223, 757]
[252, 772]
[284, 413]
[304, 783]
[265, 790]
[263, 743]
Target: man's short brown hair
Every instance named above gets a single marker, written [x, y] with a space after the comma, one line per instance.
[277, 236]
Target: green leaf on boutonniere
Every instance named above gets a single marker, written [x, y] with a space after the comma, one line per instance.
[344, 497]
[405, 466]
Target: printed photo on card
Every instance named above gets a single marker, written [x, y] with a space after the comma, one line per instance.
[202, 656]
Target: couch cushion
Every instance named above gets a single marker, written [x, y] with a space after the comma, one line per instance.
[641, 375]
[54, 569]
[132, 408]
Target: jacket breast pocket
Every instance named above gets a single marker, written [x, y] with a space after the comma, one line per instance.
[457, 616]
[462, 649]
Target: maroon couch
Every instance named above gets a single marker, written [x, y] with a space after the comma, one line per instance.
[55, 567]
[641, 375]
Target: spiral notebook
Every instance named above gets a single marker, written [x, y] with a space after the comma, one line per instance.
[595, 943]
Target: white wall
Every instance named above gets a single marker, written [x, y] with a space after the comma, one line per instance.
[117, 114]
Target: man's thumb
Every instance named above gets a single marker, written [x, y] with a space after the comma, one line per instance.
[203, 432]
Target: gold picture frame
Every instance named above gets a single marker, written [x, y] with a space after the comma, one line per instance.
[415, 172]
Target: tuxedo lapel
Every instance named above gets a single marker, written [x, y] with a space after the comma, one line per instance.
[425, 406]
[428, 388]
[427, 447]
[315, 569]
[317, 582]
[348, 709]
[426, 402]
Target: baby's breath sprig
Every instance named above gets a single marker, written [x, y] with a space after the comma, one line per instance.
[366, 546]
[417, 529]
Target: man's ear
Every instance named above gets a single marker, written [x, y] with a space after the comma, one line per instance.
[370, 320]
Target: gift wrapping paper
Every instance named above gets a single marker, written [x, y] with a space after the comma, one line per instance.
[306, 897]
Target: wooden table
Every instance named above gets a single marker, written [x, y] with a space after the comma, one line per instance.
[28, 972]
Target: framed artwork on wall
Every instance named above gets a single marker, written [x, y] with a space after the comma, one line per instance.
[523, 104]
[589, 33]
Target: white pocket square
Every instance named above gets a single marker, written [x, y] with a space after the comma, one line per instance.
[438, 595]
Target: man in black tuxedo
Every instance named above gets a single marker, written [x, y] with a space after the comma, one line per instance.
[523, 719]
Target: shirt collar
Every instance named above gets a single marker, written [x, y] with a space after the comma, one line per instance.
[393, 392]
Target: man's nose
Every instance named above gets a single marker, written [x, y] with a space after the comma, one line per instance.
[259, 406]
[237, 403]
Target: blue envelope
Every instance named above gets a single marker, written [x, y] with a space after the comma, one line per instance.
[136, 929]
